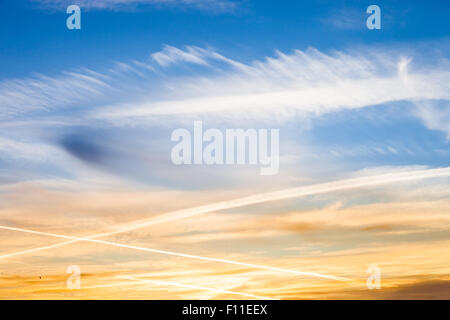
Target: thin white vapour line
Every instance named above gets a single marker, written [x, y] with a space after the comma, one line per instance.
[284, 194]
[176, 284]
[111, 285]
[271, 196]
[52, 246]
[178, 254]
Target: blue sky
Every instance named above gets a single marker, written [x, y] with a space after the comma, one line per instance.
[34, 37]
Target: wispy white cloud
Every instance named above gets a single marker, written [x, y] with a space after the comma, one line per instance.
[29, 151]
[175, 85]
[214, 5]
[435, 114]
[304, 82]
[47, 93]
[81, 87]
[172, 55]
[277, 88]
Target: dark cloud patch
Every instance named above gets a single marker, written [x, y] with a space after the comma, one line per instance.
[85, 149]
[431, 289]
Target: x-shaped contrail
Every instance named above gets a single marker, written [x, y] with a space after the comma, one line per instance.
[240, 202]
[178, 254]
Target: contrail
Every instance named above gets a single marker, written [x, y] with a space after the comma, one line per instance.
[52, 246]
[176, 284]
[112, 285]
[178, 254]
[284, 194]
[261, 198]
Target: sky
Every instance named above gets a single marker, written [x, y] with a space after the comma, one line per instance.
[85, 149]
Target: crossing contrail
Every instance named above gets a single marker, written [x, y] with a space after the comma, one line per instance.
[320, 188]
[176, 284]
[178, 254]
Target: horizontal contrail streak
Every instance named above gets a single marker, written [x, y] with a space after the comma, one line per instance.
[178, 254]
[112, 285]
[284, 194]
[176, 284]
[264, 197]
